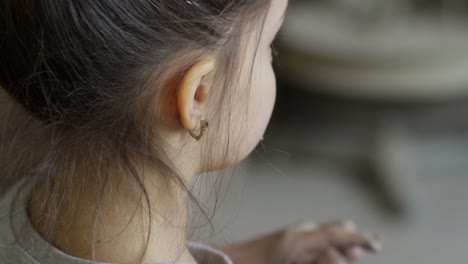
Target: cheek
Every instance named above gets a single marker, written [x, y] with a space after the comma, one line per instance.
[252, 108]
[261, 103]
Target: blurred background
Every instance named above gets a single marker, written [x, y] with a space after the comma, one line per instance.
[371, 124]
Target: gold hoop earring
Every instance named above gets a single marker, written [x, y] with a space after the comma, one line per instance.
[203, 127]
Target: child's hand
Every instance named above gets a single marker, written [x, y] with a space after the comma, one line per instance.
[307, 243]
[329, 243]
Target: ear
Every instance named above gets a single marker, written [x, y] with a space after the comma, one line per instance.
[192, 92]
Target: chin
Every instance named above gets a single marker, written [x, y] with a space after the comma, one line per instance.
[246, 148]
[235, 155]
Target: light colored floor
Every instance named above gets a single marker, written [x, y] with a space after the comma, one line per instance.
[261, 199]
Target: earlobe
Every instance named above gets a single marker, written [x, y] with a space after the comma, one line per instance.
[192, 93]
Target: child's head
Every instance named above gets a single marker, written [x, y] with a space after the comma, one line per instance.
[107, 77]
[118, 85]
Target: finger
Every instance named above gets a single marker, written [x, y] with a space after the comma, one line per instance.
[348, 225]
[369, 243]
[344, 235]
[374, 243]
[353, 254]
[302, 227]
[331, 256]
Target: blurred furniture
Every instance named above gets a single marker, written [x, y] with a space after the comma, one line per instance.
[382, 86]
[392, 49]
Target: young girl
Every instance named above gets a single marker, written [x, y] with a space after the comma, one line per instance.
[129, 100]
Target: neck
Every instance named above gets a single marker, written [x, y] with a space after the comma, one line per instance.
[125, 225]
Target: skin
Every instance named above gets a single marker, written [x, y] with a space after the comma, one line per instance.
[121, 236]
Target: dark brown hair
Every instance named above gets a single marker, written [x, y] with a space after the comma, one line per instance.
[83, 69]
